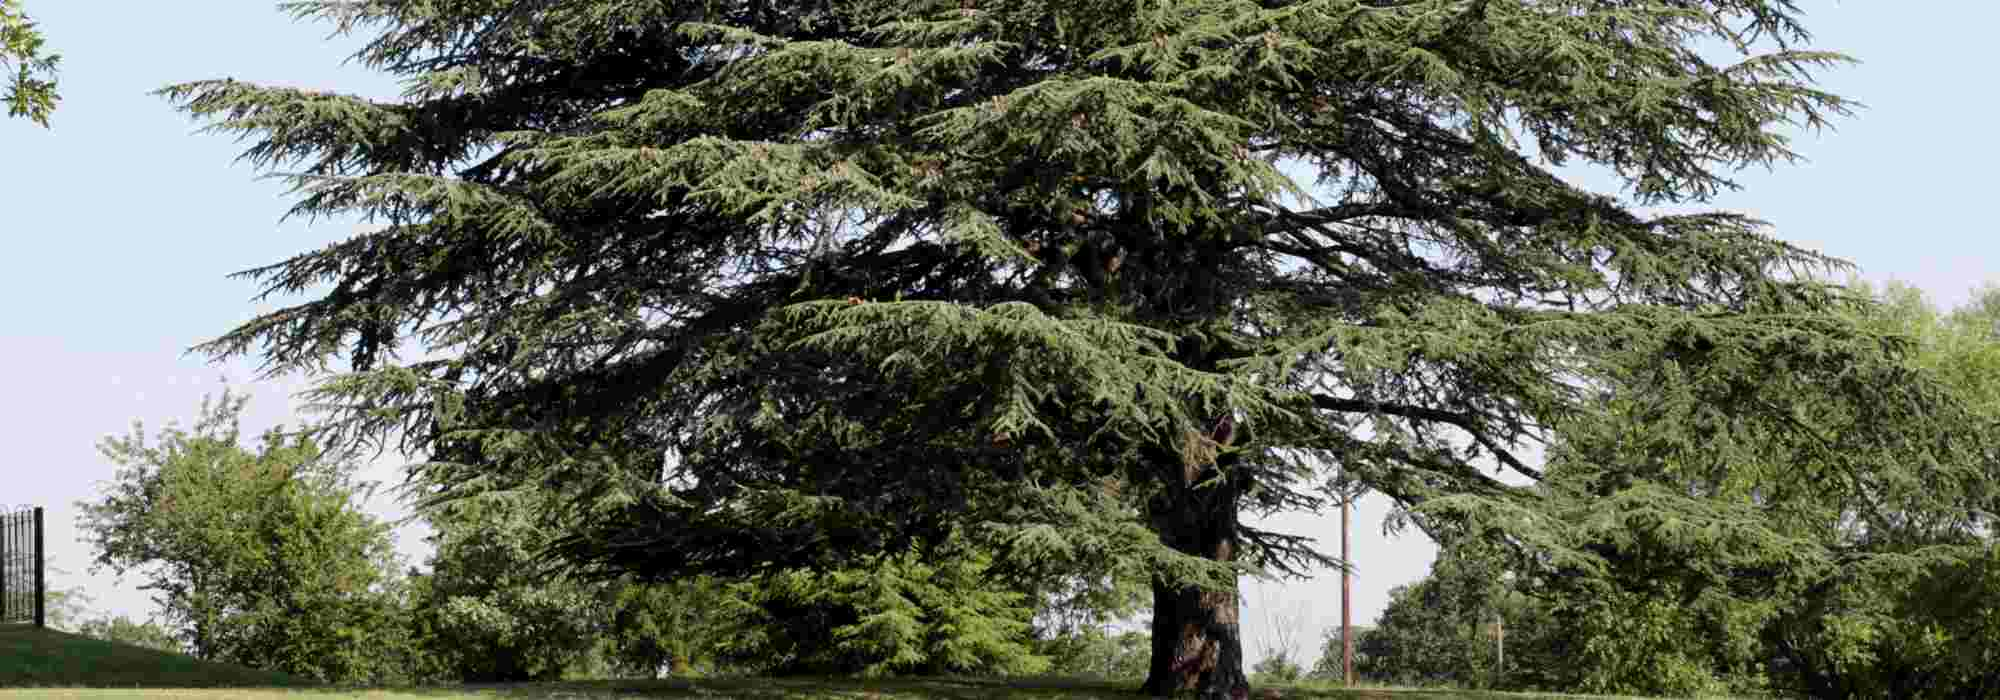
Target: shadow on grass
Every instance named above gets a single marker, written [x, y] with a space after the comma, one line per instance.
[794, 689]
[881, 689]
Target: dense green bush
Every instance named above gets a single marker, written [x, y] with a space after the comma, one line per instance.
[486, 612]
[1916, 627]
[892, 615]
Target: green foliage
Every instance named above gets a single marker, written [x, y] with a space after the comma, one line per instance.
[28, 71]
[486, 610]
[1434, 632]
[895, 615]
[1647, 643]
[678, 626]
[1703, 580]
[1937, 637]
[1412, 644]
[1440, 631]
[261, 559]
[489, 612]
[756, 287]
[1915, 619]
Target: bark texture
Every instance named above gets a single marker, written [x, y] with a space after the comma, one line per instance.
[1197, 641]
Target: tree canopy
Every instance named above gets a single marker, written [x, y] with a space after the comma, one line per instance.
[760, 286]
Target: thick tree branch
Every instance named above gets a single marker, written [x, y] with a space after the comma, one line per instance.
[1288, 221]
[1458, 420]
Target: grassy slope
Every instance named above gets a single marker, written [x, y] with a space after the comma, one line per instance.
[44, 657]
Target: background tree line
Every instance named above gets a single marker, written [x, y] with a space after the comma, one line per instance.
[1919, 625]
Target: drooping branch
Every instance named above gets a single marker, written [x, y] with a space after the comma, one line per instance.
[1290, 555]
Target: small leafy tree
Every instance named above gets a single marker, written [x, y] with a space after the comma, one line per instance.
[258, 558]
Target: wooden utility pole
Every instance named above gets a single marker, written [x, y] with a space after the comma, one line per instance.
[1346, 597]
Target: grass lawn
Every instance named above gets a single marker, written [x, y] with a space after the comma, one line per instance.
[746, 689]
[37, 663]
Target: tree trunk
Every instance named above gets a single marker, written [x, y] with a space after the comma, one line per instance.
[1197, 642]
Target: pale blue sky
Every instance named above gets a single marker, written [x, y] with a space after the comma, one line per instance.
[120, 225]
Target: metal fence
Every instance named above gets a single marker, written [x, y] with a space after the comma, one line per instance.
[23, 568]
